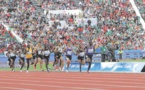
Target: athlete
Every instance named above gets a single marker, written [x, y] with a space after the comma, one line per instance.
[9, 59]
[61, 51]
[46, 57]
[58, 50]
[12, 59]
[33, 54]
[21, 55]
[28, 56]
[81, 55]
[39, 55]
[89, 53]
[57, 56]
[68, 55]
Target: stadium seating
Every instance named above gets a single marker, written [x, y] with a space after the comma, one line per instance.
[117, 22]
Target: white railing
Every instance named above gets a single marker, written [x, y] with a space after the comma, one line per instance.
[19, 39]
[138, 13]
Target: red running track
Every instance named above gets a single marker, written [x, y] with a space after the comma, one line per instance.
[71, 81]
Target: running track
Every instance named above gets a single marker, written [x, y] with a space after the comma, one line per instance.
[71, 81]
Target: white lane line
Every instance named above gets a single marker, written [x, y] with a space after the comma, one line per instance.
[78, 74]
[75, 80]
[54, 86]
[79, 77]
[75, 83]
[13, 88]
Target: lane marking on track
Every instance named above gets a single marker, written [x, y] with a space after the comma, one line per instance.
[67, 80]
[13, 88]
[75, 83]
[103, 74]
[54, 86]
[80, 77]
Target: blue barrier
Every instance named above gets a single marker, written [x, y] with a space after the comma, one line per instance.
[130, 54]
[109, 67]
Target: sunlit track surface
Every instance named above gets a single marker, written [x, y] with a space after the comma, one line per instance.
[71, 81]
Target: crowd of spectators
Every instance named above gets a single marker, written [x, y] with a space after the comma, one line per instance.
[117, 23]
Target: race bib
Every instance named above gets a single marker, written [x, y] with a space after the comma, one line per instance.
[46, 53]
[22, 55]
[90, 50]
[69, 52]
[39, 52]
[28, 53]
[82, 54]
[12, 54]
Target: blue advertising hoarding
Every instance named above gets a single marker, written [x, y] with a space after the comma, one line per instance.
[109, 67]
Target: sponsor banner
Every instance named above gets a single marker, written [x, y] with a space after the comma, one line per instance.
[75, 66]
[122, 67]
[108, 67]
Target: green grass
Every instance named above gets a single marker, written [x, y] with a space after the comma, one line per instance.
[138, 60]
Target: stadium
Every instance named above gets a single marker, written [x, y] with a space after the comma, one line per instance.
[72, 44]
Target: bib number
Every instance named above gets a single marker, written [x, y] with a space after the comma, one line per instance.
[69, 52]
[39, 52]
[46, 53]
[22, 55]
[82, 54]
[90, 50]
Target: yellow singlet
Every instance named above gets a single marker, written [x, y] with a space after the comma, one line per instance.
[29, 54]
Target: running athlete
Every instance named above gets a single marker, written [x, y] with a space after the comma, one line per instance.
[21, 55]
[81, 55]
[68, 55]
[61, 51]
[12, 58]
[28, 56]
[33, 54]
[58, 54]
[9, 59]
[46, 57]
[39, 55]
[89, 52]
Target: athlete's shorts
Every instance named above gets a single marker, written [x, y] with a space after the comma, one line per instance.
[69, 57]
[22, 58]
[13, 58]
[80, 57]
[34, 56]
[58, 55]
[90, 56]
[9, 59]
[46, 57]
[40, 56]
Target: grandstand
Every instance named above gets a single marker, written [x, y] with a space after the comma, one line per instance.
[112, 22]
[115, 27]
